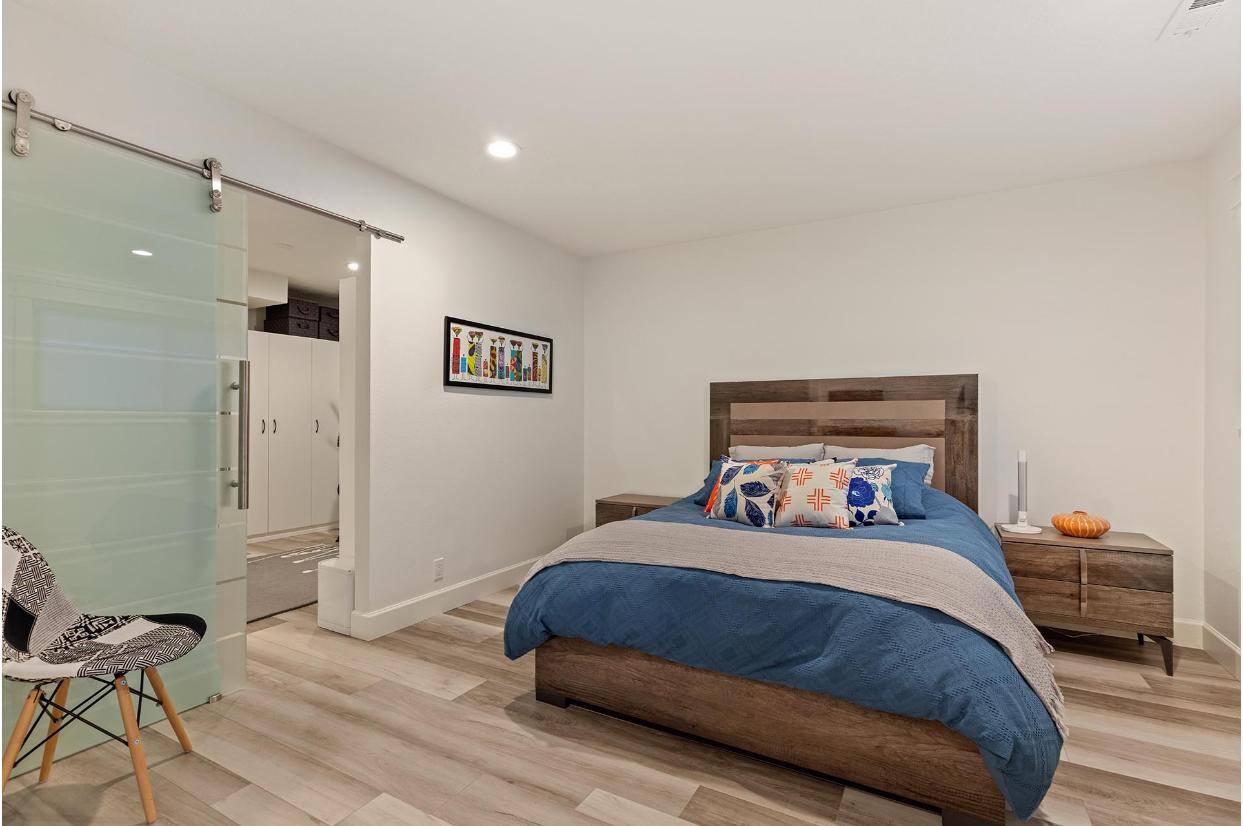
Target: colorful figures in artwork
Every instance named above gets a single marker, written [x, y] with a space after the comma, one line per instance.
[501, 360]
[472, 352]
[456, 363]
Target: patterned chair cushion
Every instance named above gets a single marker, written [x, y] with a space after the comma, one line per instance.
[45, 638]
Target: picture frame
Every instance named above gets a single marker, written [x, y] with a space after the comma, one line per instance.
[488, 357]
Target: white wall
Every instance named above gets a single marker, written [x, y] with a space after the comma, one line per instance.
[1080, 304]
[518, 456]
[1221, 406]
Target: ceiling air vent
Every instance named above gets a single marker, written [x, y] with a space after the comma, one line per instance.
[1191, 16]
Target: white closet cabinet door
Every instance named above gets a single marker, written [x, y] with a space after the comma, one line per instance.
[260, 427]
[325, 431]
[289, 432]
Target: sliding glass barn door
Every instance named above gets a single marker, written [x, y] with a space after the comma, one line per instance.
[114, 458]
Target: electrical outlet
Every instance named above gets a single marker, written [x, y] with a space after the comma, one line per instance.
[438, 569]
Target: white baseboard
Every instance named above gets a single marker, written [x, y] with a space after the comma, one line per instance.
[1221, 649]
[368, 625]
[1188, 633]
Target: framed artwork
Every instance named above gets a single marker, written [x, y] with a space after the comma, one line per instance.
[482, 355]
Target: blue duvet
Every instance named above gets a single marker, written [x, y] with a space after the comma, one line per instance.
[872, 651]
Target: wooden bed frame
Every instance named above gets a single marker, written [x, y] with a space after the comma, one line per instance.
[918, 760]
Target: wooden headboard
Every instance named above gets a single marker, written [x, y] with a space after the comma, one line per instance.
[889, 411]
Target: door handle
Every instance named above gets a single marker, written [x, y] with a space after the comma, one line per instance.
[317, 425]
[243, 435]
[274, 426]
[263, 425]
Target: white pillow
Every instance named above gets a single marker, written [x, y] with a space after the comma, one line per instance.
[744, 453]
[913, 453]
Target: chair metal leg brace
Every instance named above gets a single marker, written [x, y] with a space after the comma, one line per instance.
[73, 714]
[132, 690]
[69, 715]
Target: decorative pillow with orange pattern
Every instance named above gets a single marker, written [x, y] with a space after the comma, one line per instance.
[815, 496]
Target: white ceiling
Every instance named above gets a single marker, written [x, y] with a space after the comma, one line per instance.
[657, 121]
[312, 251]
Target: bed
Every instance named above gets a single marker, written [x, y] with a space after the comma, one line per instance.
[893, 696]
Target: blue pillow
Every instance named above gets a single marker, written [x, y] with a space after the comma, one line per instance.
[701, 498]
[908, 486]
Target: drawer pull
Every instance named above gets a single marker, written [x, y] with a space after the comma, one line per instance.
[1083, 580]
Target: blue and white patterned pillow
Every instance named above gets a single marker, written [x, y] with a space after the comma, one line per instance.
[870, 496]
[749, 492]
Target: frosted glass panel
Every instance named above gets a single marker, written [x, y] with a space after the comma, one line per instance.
[111, 390]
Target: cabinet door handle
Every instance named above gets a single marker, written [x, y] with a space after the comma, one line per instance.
[317, 425]
[263, 425]
[274, 426]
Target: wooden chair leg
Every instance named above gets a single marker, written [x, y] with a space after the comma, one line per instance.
[136, 753]
[166, 702]
[53, 730]
[19, 732]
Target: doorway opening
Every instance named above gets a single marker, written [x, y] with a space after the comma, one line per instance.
[299, 264]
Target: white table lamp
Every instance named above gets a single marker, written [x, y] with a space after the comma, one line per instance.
[1021, 526]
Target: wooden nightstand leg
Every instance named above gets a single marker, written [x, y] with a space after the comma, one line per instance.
[1167, 653]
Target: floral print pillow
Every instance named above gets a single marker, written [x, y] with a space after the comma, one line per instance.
[749, 492]
[869, 498]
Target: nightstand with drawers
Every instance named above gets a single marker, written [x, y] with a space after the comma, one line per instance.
[1119, 582]
[628, 505]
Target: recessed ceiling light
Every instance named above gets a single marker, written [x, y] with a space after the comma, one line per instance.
[502, 149]
[143, 253]
[352, 266]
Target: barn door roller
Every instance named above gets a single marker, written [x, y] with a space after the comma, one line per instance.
[22, 102]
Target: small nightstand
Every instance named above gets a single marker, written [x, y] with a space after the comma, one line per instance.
[628, 505]
[1118, 582]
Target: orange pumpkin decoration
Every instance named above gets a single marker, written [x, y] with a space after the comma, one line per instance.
[1081, 524]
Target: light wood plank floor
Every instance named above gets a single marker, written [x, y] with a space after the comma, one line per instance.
[431, 726]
